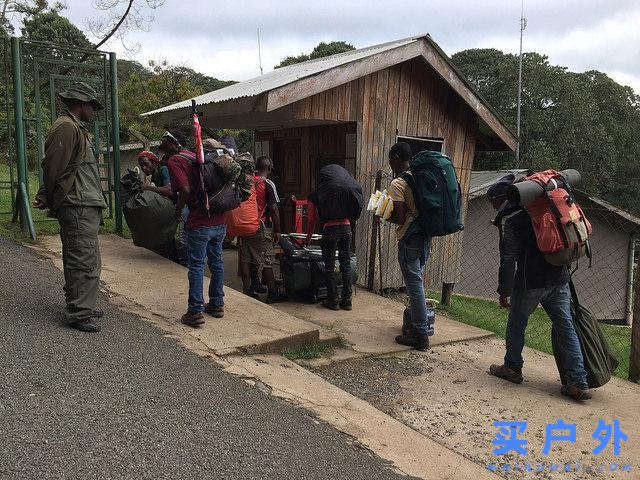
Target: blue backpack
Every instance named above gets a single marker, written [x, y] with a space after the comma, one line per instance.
[436, 193]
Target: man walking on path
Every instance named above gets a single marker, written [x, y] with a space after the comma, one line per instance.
[526, 279]
[413, 250]
[204, 232]
[72, 192]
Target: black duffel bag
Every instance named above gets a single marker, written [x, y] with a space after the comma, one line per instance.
[599, 360]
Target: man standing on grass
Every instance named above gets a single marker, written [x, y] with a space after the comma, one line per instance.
[72, 191]
[413, 250]
[204, 232]
[525, 280]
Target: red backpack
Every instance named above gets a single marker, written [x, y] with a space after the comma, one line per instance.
[561, 228]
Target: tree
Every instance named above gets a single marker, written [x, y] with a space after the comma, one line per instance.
[120, 17]
[569, 120]
[321, 50]
[163, 85]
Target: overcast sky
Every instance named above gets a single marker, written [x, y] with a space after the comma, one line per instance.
[219, 37]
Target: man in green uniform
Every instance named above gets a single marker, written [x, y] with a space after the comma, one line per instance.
[72, 192]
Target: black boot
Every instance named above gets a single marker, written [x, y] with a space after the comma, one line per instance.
[331, 304]
[407, 330]
[345, 304]
[417, 341]
[86, 326]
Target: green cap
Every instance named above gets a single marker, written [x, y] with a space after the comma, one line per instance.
[81, 92]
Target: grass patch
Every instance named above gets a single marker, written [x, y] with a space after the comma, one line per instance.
[43, 224]
[315, 350]
[488, 315]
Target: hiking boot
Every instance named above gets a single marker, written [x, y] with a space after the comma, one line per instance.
[86, 326]
[416, 341]
[575, 392]
[421, 342]
[345, 304]
[258, 288]
[506, 373]
[407, 329]
[275, 298]
[97, 313]
[250, 292]
[216, 312]
[331, 304]
[192, 319]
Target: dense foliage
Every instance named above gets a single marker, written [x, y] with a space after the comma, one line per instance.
[321, 50]
[584, 120]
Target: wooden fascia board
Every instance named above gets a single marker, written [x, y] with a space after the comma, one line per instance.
[235, 106]
[334, 77]
[442, 67]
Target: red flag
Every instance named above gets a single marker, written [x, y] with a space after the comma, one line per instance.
[197, 135]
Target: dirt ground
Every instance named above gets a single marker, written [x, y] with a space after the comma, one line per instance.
[447, 395]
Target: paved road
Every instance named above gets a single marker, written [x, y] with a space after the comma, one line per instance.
[131, 403]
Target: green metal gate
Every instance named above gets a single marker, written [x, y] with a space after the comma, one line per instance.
[34, 72]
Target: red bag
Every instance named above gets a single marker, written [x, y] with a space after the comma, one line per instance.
[561, 228]
[244, 220]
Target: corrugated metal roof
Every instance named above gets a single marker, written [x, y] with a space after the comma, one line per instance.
[285, 75]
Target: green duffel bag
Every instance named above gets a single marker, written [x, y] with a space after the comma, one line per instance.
[151, 219]
[599, 360]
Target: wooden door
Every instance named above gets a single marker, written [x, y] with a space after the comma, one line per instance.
[287, 169]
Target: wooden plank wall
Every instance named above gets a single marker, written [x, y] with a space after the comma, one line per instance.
[323, 141]
[406, 99]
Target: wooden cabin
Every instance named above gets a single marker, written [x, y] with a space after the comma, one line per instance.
[349, 109]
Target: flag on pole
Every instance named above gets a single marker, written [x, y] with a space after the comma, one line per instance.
[197, 136]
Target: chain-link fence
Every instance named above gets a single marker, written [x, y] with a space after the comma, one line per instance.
[465, 265]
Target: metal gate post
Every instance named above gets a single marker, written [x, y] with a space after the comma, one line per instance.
[115, 125]
[18, 110]
[22, 206]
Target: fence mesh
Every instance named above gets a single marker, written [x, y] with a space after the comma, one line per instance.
[470, 261]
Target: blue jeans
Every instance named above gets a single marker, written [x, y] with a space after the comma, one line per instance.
[413, 253]
[205, 243]
[556, 301]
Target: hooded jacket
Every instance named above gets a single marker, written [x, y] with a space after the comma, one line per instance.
[522, 266]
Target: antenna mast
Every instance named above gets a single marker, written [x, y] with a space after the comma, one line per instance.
[259, 53]
[523, 25]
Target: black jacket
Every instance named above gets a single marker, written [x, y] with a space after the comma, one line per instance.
[522, 266]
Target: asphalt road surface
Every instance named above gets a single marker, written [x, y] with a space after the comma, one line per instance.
[130, 402]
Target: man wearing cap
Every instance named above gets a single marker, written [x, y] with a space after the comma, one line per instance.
[525, 280]
[72, 192]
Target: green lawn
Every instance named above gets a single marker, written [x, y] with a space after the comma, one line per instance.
[43, 224]
[488, 315]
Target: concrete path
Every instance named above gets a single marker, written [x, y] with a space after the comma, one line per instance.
[411, 453]
[447, 395]
[132, 403]
[369, 328]
[161, 286]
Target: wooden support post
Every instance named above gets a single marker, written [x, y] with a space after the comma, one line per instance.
[447, 291]
[634, 360]
[375, 228]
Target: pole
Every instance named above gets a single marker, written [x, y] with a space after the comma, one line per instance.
[634, 358]
[375, 226]
[115, 125]
[523, 25]
[631, 263]
[259, 52]
[21, 155]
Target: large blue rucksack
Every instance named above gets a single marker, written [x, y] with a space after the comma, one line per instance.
[436, 192]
